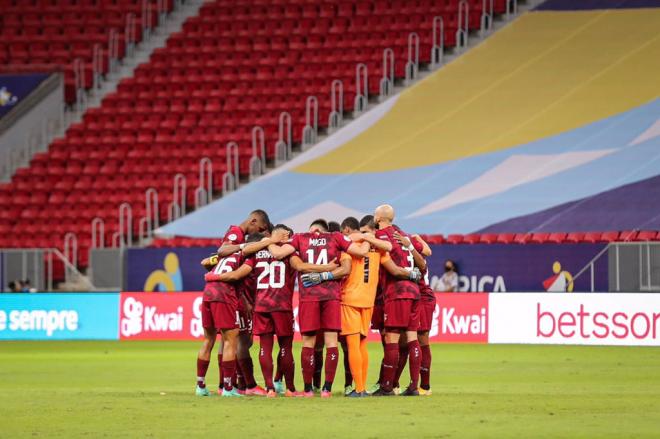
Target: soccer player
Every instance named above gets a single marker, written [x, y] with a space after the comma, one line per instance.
[273, 312]
[358, 295]
[320, 308]
[220, 313]
[401, 310]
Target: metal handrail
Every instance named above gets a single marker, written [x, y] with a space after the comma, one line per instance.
[336, 116]
[438, 46]
[486, 17]
[412, 65]
[230, 177]
[151, 208]
[387, 81]
[204, 192]
[361, 88]
[284, 145]
[126, 224]
[258, 159]
[462, 32]
[311, 128]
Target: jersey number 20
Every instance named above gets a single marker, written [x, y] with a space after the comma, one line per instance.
[272, 275]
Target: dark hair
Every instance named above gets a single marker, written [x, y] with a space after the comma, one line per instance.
[351, 222]
[270, 227]
[368, 220]
[254, 237]
[333, 226]
[323, 224]
[453, 263]
[283, 227]
[263, 216]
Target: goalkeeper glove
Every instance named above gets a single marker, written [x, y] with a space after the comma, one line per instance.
[311, 279]
[415, 275]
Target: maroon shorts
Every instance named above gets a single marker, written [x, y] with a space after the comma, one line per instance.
[402, 314]
[377, 318]
[279, 323]
[244, 318]
[325, 315]
[219, 315]
[426, 315]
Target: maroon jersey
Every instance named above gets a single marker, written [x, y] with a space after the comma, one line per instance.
[394, 288]
[216, 291]
[248, 285]
[425, 290]
[320, 248]
[234, 236]
[275, 281]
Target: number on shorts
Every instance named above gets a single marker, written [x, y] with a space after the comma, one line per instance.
[272, 275]
[224, 267]
[322, 258]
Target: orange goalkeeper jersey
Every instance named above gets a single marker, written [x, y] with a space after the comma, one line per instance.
[359, 289]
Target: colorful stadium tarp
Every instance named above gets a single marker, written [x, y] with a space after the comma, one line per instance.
[555, 108]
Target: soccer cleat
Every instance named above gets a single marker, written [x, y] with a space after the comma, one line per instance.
[396, 390]
[364, 394]
[256, 391]
[220, 391]
[317, 389]
[381, 392]
[239, 391]
[271, 394]
[326, 394]
[374, 388]
[308, 394]
[233, 393]
[409, 392]
[424, 392]
[295, 394]
[279, 387]
[354, 394]
[348, 390]
[201, 391]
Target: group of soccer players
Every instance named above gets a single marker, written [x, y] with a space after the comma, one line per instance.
[368, 275]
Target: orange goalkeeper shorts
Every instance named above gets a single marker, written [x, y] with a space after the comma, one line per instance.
[355, 320]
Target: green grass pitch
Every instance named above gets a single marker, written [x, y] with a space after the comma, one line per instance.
[145, 389]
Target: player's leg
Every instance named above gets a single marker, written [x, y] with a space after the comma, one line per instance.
[204, 359]
[283, 324]
[263, 328]
[318, 360]
[355, 362]
[348, 374]
[365, 314]
[219, 357]
[394, 312]
[364, 353]
[245, 342]
[425, 369]
[310, 323]
[414, 351]
[403, 359]
[230, 337]
[330, 313]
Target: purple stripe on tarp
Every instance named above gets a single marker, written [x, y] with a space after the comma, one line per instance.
[14, 88]
[633, 206]
[583, 5]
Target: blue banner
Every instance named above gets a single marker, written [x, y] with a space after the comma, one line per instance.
[64, 316]
[13, 88]
[514, 267]
[166, 269]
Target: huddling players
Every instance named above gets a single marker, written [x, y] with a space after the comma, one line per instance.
[250, 288]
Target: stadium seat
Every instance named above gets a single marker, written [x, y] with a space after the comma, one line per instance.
[472, 238]
[522, 238]
[488, 238]
[648, 235]
[609, 237]
[628, 235]
[505, 238]
[539, 238]
[557, 238]
[592, 237]
[454, 239]
[575, 237]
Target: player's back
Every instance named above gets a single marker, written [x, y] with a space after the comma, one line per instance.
[216, 291]
[274, 284]
[359, 288]
[320, 248]
[398, 288]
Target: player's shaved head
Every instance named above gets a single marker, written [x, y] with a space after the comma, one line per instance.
[319, 225]
[384, 214]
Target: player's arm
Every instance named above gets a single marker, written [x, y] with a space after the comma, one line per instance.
[343, 270]
[303, 267]
[360, 250]
[401, 273]
[378, 244]
[419, 260]
[210, 262]
[278, 236]
[426, 249]
[280, 252]
[231, 276]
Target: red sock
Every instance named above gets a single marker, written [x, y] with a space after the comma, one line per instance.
[237, 379]
[247, 370]
[348, 377]
[220, 369]
[307, 361]
[331, 361]
[390, 362]
[318, 366]
[425, 369]
[202, 367]
[288, 365]
[403, 358]
[415, 360]
[229, 369]
[266, 359]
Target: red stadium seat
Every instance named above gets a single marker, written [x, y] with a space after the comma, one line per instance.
[628, 235]
[522, 238]
[539, 238]
[575, 237]
[488, 238]
[557, 238]
[472, 238]
[648, 235]
[592, 237]
[454, 239]
[609, 237]
[505, 238]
